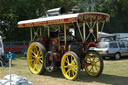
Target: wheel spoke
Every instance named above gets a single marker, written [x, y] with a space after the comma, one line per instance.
[70, 73]
[35, 66]
[38, 53]
[40, 57]
[74, 66]
[98, 66]
[74, 70]
[89, 58]
[96, 69]
[94, 57]
[33, 54]
[72, 62]
[35, 50]
[40, 62]
[65, 66]
[87, 64]
[38, 66]
[31, 63]
[73, 73]
[71, 58]
[31, 60]
[91, 68]
[67, 60]
[97, 61]
[67, 71]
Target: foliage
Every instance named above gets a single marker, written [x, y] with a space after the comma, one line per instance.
[118, 12]
[12, 11]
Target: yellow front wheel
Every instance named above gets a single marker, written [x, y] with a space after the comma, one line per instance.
[35, 58]
[93, 63]
[70, 65]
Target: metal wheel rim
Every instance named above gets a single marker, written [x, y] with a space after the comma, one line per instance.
[35, 59]
[69, 66]
[93, 63]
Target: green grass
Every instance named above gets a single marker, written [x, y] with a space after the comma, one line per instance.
[114, 73]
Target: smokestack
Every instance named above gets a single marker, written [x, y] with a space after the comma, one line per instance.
[55, 11]
[76, 9]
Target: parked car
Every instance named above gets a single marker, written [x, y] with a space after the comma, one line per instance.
[114, 49]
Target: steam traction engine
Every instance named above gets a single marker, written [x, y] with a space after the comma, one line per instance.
[65, 43]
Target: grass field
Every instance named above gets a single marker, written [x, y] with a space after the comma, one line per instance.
[114, 73]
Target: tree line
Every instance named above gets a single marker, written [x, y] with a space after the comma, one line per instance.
[12, 11]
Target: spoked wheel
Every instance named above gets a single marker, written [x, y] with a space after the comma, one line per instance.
[49, 62]
[93, 63]
[70, 65]
[35, 58]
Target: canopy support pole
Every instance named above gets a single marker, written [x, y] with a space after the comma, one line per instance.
[97, 28]
[59, 32]
[40, 31]
[48, 32]
[80, 32]
[31, 33]
[65, 39]
[84, 31]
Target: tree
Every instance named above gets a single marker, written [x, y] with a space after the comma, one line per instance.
[10, 14]
[12, 11]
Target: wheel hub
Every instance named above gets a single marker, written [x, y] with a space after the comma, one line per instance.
[70, 66]
[93, 63]
[36, 60]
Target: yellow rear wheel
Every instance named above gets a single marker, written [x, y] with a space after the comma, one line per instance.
[70, 65]
[35, 58]
[93, 63]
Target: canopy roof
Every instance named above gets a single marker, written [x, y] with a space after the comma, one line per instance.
[68, 18]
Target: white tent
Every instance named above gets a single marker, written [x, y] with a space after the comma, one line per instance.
[103, 34]
[15, 80]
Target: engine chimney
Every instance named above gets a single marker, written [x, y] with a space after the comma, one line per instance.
[56, 11]
[76, 9]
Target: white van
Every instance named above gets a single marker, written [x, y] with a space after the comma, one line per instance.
[1, 47]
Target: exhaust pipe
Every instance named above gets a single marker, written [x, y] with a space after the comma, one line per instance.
[76, 9]
[54, 12]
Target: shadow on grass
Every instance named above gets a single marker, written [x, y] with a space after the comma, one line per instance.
[84, 77]
[113, 59]
[104, 78]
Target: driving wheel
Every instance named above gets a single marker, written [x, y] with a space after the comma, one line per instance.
[93, 63]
